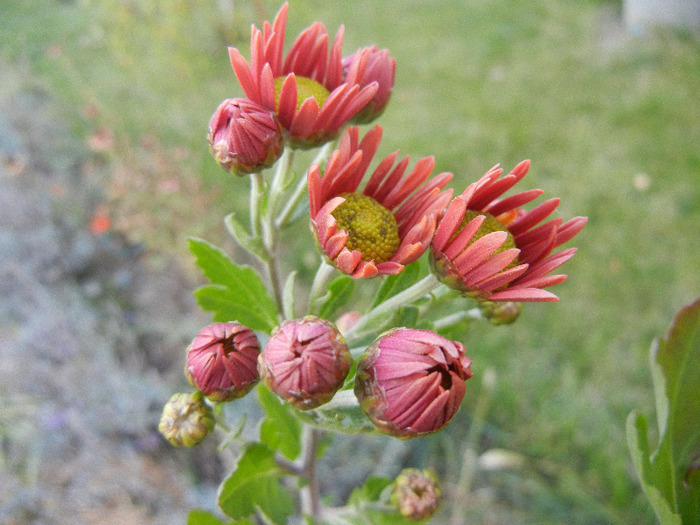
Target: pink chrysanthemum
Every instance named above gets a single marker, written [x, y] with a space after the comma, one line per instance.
[305, 362]
[491, 249]
[371, 65]
[387, 225]
[244, 137]
[222, 361]
[410, 382]
[305, 88]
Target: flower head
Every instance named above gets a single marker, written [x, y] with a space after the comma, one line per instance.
[306, 87]
[388, 224]
[411, 382]
[186, 420]
[492, 249]
[416, 494]
[305, 362]
[366, 66]
[244, 136]
[222, 361]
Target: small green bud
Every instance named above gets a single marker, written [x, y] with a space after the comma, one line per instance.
[186, 420]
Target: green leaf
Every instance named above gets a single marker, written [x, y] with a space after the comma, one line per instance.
[204, 517]
[236, 293]
[371, 490]
[280, 430]
[394, 284]
[339, 293]
[254, 485]
[667, 474]
[638, 444]
[677, 391]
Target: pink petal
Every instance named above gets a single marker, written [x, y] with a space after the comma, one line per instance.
[379, 173]
[523, 295]
[479, 251]
[449, 223]
[533, 217]
[287, 105]
[243, 74]
[464, 237]
[513, 202]
[305, 119]
[415, 178]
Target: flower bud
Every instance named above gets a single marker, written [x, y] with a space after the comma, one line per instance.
[500, 313]
[416, 494]
[186, 420]
[364, 67]
[244, 136]
[222, 361]
[305, 362]
[410, 382]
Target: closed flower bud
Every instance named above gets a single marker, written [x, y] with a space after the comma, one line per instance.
[244, 136]
[500, 313]
[305, 362]
[371, 65]
[186, 420]
[416, 494]
[222, 361]
[410, 382]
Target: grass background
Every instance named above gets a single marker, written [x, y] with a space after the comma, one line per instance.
[611, 122]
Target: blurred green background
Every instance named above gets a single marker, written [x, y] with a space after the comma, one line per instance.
[610, 120]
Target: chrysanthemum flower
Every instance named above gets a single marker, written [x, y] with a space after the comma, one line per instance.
[244, 136]
[492, 249]
[410, 382]
[222, 361]
[385, 226]
[305, 88]
[305, 362]
[366, 66]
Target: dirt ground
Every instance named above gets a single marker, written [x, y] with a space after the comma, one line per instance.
[94, 331]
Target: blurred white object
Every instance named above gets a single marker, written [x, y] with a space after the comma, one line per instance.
[642, 14]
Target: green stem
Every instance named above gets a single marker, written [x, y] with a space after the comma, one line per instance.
[310, 493]
[408, 296]
[323, 277]
[470, 458]
[457, 317]
[300, 190]
[257, 190]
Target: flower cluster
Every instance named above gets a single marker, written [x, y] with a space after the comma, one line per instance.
[393, 365]
[302, 98]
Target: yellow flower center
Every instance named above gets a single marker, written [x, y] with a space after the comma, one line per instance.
[491, 224]
[305, 88]
[371, 228]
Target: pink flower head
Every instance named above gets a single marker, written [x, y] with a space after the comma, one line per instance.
[387, 225]
[306, 87]
[411, 382]
[244, 136]
[305, 362]
[221, 361]
[371, 65]
[492, 250]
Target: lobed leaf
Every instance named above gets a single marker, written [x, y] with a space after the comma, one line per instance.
[237, 293]
[254, 486]
[339, 293]
[281, 429]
